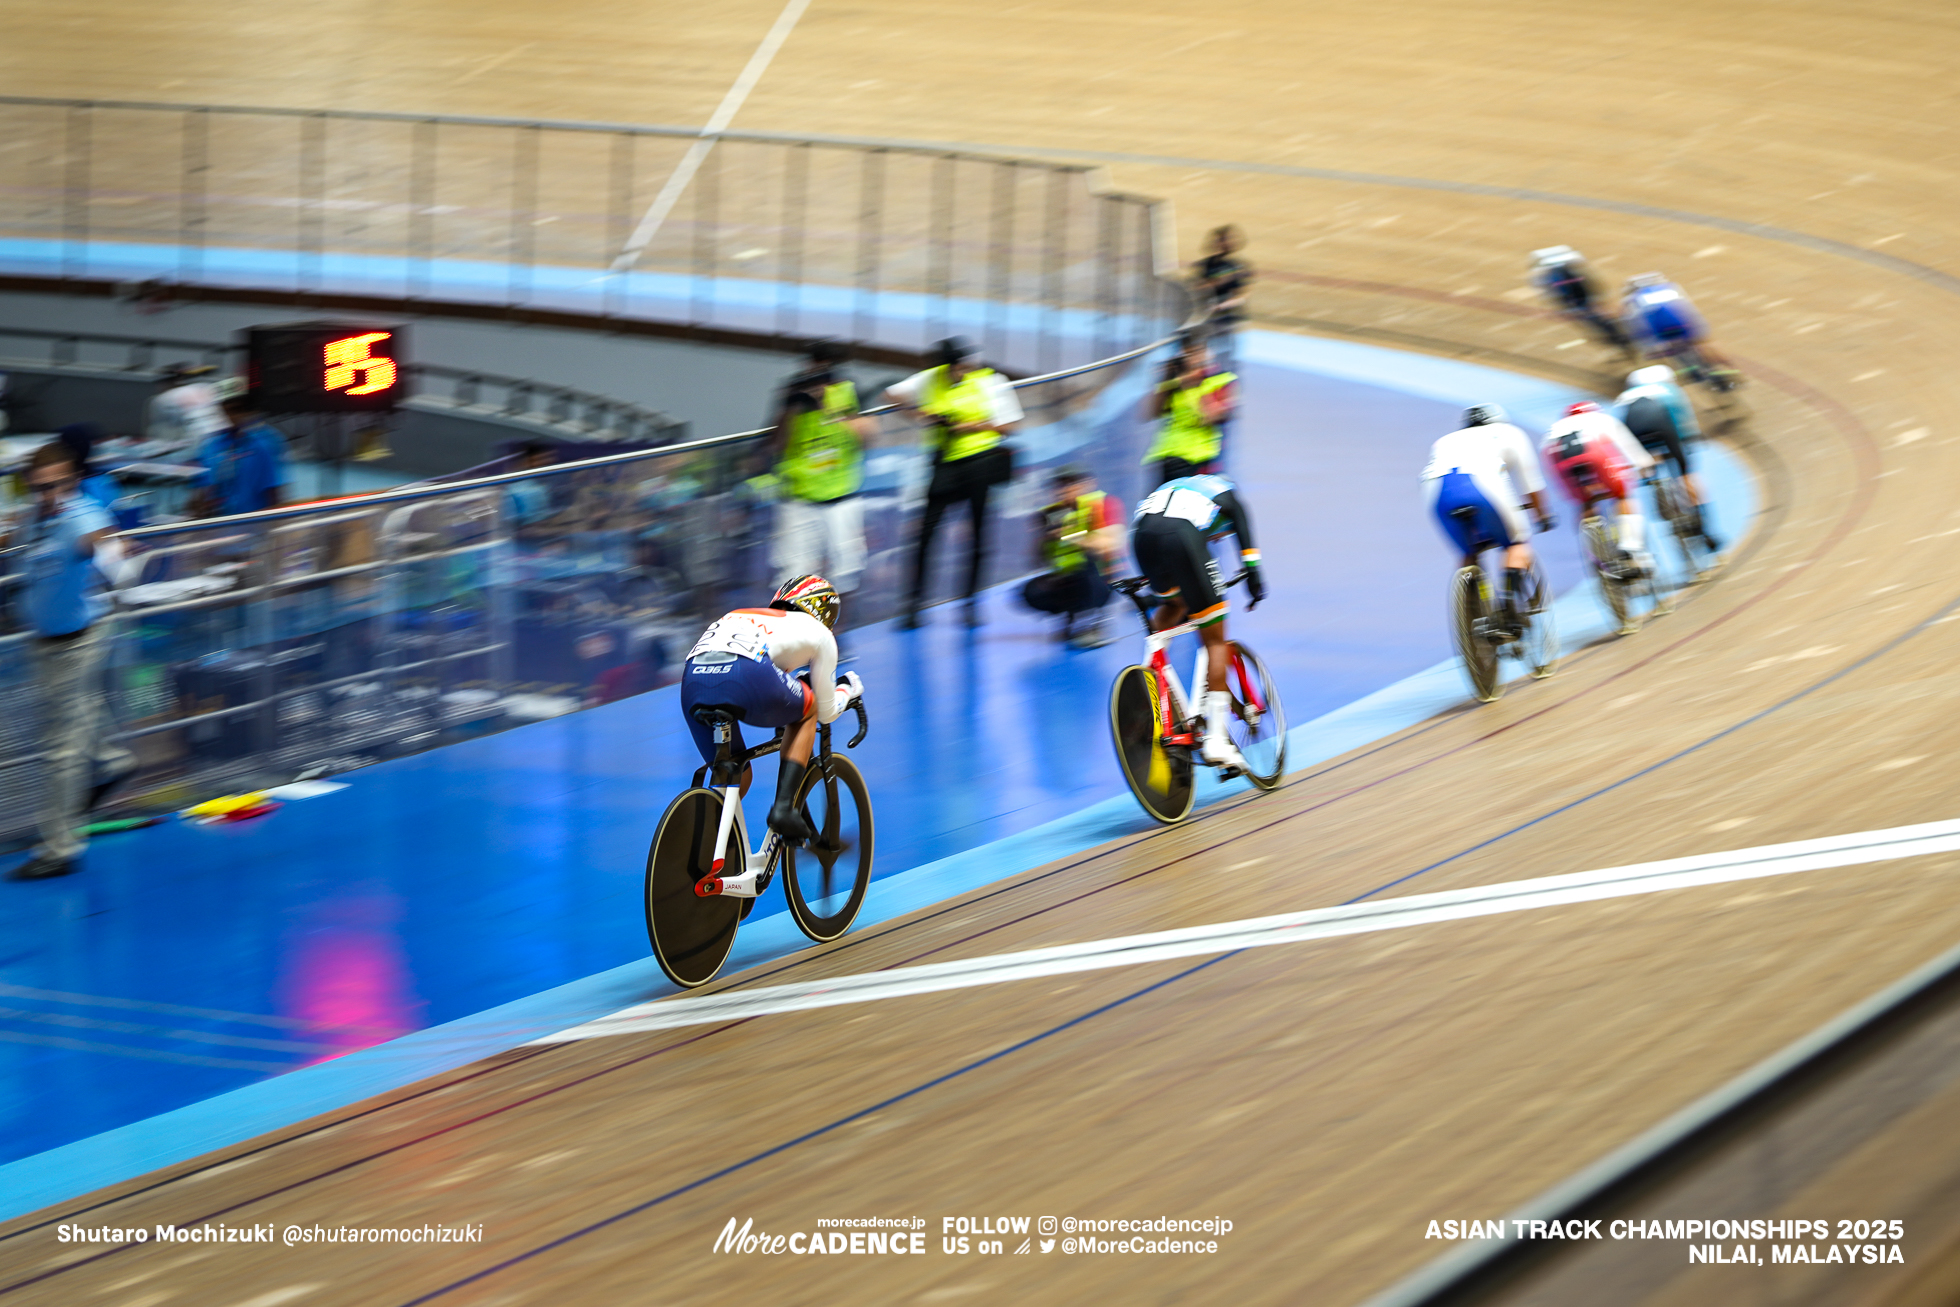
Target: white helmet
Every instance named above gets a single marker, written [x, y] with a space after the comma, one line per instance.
[1553, 255]
[1658, 374]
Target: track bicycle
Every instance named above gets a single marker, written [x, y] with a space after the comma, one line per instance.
[1478, 627]
[696, 897]
[1603, 327]
[1695, 367]
[1159, 736]
[1675, 505]
[1620, 584]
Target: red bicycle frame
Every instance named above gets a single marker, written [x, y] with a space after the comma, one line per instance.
[1166, 728]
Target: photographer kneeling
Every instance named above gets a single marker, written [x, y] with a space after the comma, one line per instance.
[1081, 537]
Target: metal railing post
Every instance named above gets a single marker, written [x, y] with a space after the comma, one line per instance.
[422, 147]
[191, 196]
[939, 250]
[312, 236]
[523, 214]
[261, 638]
[707, 235]
[1000, 282]
[1054, 248]
[789, 264]
[871, 207]
[619, 222]
[77, 167]
[1109, 239]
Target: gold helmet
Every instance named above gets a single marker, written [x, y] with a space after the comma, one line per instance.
[810, 594]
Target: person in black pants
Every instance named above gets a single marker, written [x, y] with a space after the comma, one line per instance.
[968, 410]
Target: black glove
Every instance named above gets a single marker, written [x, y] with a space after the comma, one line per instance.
[1256, 585]
[1546, 522]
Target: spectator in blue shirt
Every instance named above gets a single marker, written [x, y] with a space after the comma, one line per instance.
[81, 438]
[244, 465]
[60, 538]
[528, 503]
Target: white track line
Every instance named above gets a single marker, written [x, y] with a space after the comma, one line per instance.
[731, 104]
[1288, 928]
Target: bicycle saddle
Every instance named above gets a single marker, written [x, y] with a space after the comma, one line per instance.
[709, 714]
[1129, 585]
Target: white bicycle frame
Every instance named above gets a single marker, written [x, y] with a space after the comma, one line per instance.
[756, 861]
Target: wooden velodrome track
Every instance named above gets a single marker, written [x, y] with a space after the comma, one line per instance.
[1330, 1098]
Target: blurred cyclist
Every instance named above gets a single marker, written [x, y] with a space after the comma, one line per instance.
[1658, 413]
[1171, 537]
[1598, 458]
[1561, 273]
[746, 663]
[1663, 322]
[1488, 465]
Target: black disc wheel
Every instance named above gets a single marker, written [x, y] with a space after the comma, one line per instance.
[1469, 627]
[691, 935]
[1258, 725]
[825, 879]
[1158, 774]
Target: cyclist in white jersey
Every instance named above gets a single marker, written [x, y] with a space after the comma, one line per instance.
[1171, 538]
[1488, 466]
[746, 664]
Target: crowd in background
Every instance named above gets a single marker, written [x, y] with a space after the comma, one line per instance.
[63, 542]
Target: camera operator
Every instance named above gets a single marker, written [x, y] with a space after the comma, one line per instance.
[817, 454]
[1081, 537]
[1193, 401]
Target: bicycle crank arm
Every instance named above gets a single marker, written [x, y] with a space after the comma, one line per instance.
[730, 887]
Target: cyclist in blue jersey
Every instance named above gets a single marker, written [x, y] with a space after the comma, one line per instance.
[1487, 466]
[1171, 537]
[1662, 320]
[1657, 411]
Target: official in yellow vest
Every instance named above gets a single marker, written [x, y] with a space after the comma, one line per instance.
[967, 410]
[1082, 536]
[818, 451]
[1193, 402]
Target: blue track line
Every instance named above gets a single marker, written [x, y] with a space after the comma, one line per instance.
[819, 1132]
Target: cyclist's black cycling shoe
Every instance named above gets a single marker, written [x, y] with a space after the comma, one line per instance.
[784, 818]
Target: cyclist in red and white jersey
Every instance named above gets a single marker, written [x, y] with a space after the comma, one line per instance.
[747, 663]
[1598, 458]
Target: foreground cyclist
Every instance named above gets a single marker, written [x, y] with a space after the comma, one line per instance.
[1656, 410]
[746, 662]
[1488, 466]
[1598, 458]
[1171, 538]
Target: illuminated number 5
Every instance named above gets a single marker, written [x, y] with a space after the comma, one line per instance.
[349, 357]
